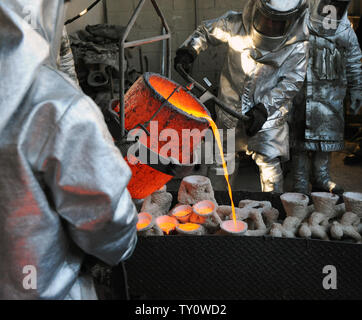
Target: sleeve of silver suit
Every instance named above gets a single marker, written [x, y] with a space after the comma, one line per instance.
[354, 68]
[87, 179]
[290, 79]
[212, 32]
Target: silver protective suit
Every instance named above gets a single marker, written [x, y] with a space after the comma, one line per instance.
[62, 181]
[318, 113]
[251, 76]
[66, 58]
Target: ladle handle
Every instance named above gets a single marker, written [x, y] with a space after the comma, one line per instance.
[230, 111]
[203, 90]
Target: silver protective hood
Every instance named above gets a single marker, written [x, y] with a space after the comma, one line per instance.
[63, 183]
[44, 16]
[293, 34]
[21, 53]
[271, 26]
[298, 33]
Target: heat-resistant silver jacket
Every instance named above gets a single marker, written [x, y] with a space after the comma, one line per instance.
[250, 77]
[66, 58]
[62, 181]
[334, 66]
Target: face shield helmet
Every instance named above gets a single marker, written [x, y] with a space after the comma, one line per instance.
[326, 15]
[272, 20]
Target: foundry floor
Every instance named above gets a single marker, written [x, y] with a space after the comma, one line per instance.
[349, 177]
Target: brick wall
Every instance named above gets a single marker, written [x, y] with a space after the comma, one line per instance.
[182, 20]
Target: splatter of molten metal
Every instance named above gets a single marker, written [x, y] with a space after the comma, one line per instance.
[185, 102]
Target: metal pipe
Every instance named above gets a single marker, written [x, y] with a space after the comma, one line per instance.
[137, 43]
[201, 88]
[163, 61]
[123, 45]
[81, 14]
[168, 31]
[196, 15]
[105, 12]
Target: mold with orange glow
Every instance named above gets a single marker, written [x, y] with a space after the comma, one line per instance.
[167, 227]
[142, 225]
[144, 221]
[191, 229]
[167, 224]
[194, 218]
[182, 213]
[204, 208]
[189, 226]
[238, 228]
[205, 211]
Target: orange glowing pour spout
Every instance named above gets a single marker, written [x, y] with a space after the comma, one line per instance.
[182, 100]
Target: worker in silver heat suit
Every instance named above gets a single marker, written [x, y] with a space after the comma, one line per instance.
[318, 116]
[265, 67]
[63, 183]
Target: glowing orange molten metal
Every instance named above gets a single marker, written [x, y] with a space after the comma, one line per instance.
[167, 227]
[142, 225]
[189, 226]
[205, 210]
[188, 104]
[181, 213]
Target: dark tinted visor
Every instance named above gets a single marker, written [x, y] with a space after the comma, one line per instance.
[269, 27]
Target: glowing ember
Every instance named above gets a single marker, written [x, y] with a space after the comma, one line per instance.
[167, 227]
[188, 104]
[189, 226]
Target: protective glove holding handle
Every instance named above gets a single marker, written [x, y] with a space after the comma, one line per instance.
[258, 116]
[185, 57]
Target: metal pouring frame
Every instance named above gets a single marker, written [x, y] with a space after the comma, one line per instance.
[123, 44]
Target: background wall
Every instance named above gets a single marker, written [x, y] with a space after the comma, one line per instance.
[182, 16]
